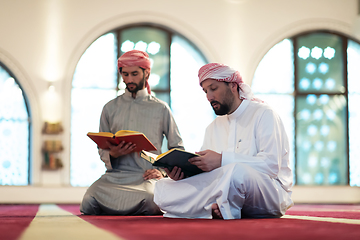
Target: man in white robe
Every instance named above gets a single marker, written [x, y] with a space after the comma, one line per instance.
[245, 157]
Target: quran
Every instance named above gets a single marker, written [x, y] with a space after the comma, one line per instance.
[138, 138]
[174, 157]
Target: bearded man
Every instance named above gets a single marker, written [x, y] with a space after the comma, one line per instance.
[245, 156]
[127, 186]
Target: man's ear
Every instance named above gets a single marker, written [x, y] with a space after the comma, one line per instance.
[147, 74]
[234, 86]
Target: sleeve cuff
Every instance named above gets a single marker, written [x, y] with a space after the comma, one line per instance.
[227, 158]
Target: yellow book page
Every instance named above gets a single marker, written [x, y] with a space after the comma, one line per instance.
[163, 154]
[105, 134]
[126, 132]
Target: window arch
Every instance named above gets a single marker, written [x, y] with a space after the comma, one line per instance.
[313, 81]
[15, 130]
[175, 62]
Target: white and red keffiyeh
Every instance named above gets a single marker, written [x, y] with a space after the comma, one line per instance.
[136, 58]
[223, 73]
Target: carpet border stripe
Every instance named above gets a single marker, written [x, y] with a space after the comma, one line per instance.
[324, 219]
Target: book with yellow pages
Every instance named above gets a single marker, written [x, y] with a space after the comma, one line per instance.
[174, 157]
[141, 141]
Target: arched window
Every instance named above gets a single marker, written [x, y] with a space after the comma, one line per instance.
[313, 80]
[173, 79]
[14, 131]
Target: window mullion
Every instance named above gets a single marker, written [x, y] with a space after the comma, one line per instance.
[295, 47]
[346, 95]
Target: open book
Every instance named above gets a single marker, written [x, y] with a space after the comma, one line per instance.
[141, 141]
[174, 157]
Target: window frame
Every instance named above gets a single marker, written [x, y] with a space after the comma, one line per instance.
[170, 36]
[170, 33]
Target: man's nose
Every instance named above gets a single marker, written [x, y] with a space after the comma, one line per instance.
[209, 96]
[128, 79]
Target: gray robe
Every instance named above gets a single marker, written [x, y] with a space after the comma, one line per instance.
[122, 189]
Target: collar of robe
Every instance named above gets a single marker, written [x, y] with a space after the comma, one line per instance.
[139, 95]
[239, 110]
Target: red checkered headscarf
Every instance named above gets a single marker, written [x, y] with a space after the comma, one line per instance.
[223, 73]
[136, 58]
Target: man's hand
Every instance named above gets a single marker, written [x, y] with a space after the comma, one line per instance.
[175, 174]
[151, 174]
[208, 160]
[121, 149]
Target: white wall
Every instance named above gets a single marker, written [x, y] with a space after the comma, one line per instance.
[42, 40]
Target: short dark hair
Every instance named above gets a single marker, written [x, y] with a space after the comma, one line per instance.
[238, 87]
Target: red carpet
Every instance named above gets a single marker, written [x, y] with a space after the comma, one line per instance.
[16, 218]
[334, 211]
[152, 227]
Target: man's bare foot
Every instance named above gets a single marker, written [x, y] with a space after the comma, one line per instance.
[216, 214]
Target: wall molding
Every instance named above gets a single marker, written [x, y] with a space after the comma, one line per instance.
[74, 195]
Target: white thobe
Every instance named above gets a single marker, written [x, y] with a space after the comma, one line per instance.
[254, 179]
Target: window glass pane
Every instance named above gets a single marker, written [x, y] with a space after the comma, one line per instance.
[166, 98]
[94, 84]
[353, 52]
[156, 43]
[321, 140]
[14, 133]
[190, 107]
[275, 72]
[320, 63]
[86, 107]
[97, 66]
[354, 139]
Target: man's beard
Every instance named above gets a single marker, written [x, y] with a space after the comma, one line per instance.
[225, 106]
[222, 110]
[137, 86]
